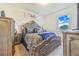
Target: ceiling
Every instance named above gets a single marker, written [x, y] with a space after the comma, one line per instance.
[42, 9]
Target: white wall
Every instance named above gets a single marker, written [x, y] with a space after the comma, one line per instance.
[18, 14]
[50, 21]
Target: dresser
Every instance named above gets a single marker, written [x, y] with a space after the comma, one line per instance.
[6, 36]
[71, 43]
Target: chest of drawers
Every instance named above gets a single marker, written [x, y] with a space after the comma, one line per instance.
[6, 36]
[71, 43]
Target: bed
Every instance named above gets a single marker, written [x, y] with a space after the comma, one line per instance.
[37, 40]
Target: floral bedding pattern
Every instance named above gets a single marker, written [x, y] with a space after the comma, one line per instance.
[32, 39]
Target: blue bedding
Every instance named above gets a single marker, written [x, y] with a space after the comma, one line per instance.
[45, 35]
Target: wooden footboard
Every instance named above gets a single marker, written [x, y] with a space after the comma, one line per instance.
[36, 48]
[45, 47]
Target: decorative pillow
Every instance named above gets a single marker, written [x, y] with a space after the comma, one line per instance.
[45, 35]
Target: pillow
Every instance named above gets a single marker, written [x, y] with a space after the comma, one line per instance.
[45, 35]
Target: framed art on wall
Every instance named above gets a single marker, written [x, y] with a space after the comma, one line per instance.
[63, 22]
